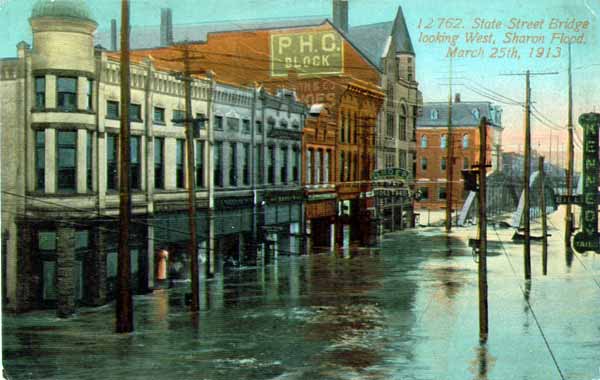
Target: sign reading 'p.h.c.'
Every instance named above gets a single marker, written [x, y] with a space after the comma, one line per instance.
[308, 53]
[587, 238]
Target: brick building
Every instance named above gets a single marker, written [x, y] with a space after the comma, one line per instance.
[432, 140]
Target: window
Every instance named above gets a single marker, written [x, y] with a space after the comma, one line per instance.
[259, 127]
[89, 96]
[415, 112]
[159, 115]
[246, 165]
[348, 128]
[475, 112]
[112, 169]
[200, 121]
[40, 160]
[402, 124]
[135, 168]
[270, 125]
[342, 130]
[66, 161]
[443, 163]
[40, 93]
[465, 141]
[112, 109]
[342, 165]
[283, 124]
[389, 129]
[443, 141]
[465, 163]
[402, 156]
[442, 193]
[309, 167]
[199, 163]
[178, 118]
[246, 126]
[218, 164]
[260, 163]
[88, 160]
[218, 123]
[424, 142]
[424, 193]
[283, 170]
[434, 114]
[233, 164]
[296, 164]
[326, 160]
[271, 165]
[423, 163]
[318, 166]
[233, 124]
[66, 93]
[159, 157]
[179, 168]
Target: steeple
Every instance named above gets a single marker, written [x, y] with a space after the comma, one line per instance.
[400, 35]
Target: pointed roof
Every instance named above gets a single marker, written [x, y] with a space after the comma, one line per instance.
[400, 35]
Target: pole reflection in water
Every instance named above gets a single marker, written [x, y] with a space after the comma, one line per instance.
[526, 308]
[569, 257]
[483, 363]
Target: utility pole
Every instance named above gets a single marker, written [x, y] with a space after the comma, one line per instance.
[526, 172]
[449, 157]
[124, 309]
[526, 175]
[544, 222]
[482, 262]
[193, 247]
[570, 155]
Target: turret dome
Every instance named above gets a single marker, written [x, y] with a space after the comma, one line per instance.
[70, 9]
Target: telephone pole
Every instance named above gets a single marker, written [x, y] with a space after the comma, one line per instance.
[124, 309]
[544, 222]
[449, 158]
[482, 262]
[193, 247]
[569, 216]
[526, 172]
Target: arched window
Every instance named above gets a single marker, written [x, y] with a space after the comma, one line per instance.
[434, 115]
[465, 141]
[424, 142]
[443, 141]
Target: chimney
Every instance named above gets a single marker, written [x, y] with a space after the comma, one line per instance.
[457, 97]
[340, 15]
[166, 27]
[113, 34]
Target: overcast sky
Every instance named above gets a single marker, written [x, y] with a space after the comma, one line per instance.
[548, 92]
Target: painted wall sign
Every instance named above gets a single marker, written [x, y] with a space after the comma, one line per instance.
[587, 238]
[309, 53]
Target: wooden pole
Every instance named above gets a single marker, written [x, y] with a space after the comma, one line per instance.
[482, 263]
[526, 175]
[544, 222]
[570, 155]
[449, 158]
[124, 307]
[193, 243]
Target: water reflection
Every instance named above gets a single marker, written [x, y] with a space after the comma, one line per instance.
[483, 363]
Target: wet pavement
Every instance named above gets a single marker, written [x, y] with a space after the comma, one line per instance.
[404, 310]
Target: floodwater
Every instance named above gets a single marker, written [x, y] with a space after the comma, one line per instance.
[406, 309]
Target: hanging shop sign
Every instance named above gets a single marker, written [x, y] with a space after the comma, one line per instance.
[587, 238]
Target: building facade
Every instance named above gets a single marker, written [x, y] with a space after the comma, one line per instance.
[432, 139]
[60, 152]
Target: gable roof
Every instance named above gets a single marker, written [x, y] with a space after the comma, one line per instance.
[372, 39]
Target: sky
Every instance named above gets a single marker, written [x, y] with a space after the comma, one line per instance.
[446, 18]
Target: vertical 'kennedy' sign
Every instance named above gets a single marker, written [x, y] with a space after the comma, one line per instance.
[309, 53]
[587, 239]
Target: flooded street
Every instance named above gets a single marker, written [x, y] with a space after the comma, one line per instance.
[406, 309]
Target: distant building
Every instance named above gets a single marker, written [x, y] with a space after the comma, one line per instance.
[432, 140]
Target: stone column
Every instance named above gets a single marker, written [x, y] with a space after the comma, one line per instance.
[27, 274]
[65, 260]
[95, 268]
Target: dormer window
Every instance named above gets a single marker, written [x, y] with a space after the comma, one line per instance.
[475, 112]
[434, 115]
